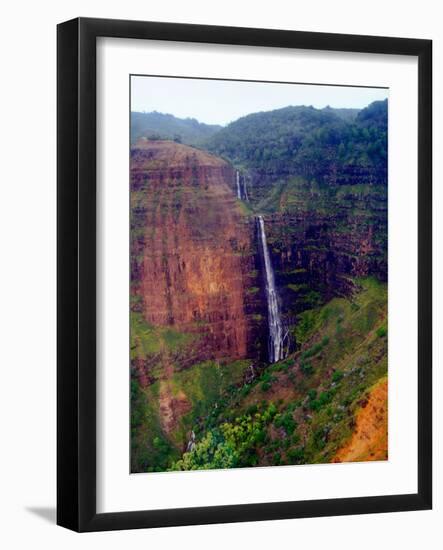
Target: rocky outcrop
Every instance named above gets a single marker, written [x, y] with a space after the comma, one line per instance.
[192, 251]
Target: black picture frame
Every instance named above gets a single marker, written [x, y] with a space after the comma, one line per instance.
[76, 266]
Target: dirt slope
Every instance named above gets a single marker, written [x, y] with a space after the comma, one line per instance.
[370, 438]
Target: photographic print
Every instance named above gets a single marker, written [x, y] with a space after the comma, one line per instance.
[258, 262]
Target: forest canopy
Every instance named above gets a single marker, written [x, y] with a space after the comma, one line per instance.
[304, 141]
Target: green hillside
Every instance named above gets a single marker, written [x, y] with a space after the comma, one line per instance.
[302, 410]
[324, 145]
[165, 126]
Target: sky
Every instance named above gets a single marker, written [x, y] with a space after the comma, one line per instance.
[223, 101]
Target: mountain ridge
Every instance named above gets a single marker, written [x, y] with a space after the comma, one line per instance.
[155, 125]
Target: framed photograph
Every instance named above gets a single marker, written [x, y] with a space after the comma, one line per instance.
[244, 274]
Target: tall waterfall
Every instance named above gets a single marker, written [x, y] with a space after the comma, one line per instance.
[242, 192]
[276, 336]
[237, 177]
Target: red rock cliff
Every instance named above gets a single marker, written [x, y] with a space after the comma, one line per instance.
[191, 249]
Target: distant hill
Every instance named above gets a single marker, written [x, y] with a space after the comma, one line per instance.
[326, 145]
[375, 114]
[165, 126]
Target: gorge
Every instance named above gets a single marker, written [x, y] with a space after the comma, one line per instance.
[258, 298]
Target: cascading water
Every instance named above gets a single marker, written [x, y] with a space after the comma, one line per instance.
[276, 335]
[242, 192]
[237, 176]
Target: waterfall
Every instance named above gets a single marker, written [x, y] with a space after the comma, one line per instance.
[276, 336]
[242, 192]
[237, 176]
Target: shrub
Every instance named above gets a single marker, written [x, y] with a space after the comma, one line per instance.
[381, 331]
[252, 409]
[337, 376]
[306, 323]
[260, 437]
[319, 440]
[323, 399]
[270, 413]
[306, 368]
[285, 421]
[267, 377]
[294, 405]
[296, 455]
[312, 394]
[316, 348]
[285, 365]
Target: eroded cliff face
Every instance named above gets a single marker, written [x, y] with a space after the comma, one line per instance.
[323, 237]
[312, 255]
[192, 251]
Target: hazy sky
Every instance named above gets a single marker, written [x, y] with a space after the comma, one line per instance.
[222, 101]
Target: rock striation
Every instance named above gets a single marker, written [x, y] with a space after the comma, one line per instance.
[192, 250]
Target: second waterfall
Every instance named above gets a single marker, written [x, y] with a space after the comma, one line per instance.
[276, 334]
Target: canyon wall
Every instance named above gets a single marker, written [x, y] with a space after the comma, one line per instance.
[321, 237]
[192, 250]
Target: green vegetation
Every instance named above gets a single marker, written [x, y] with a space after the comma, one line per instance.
[231, 444]
[307, 323]
[150, 450]
[202, 385]
[337, 376]
[165, 126]
[309, 419]
[306, 141]
[148, 340]
[306, 368]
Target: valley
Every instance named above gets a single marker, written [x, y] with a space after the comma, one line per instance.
[259, 292]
